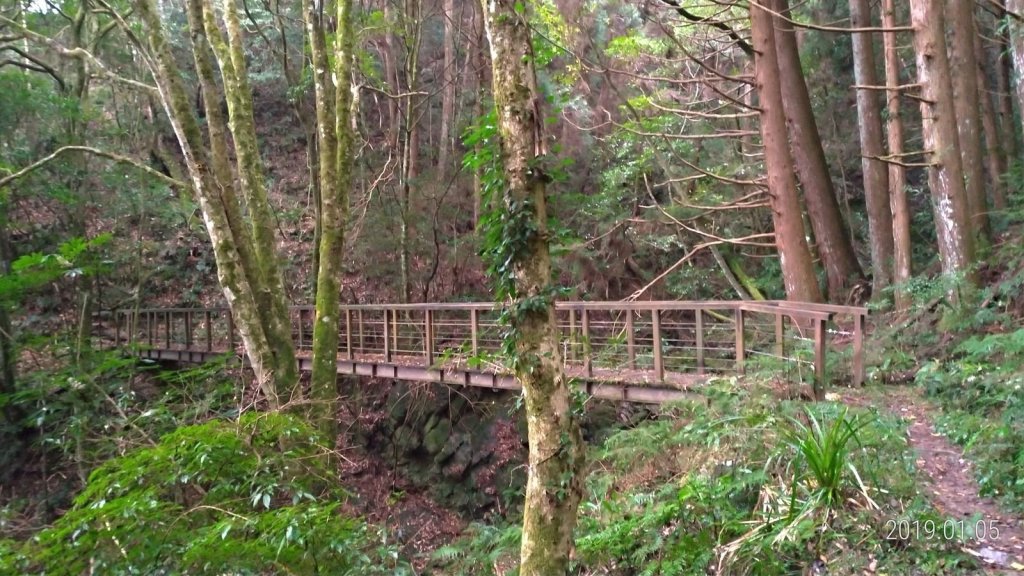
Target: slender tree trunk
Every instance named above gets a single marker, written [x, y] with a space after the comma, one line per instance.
[1004, 92]
[995, 159]
[334, 141]
[478, 111]
[797, 268]
[842, 270]
[448, 92]
[963, 66]
[554, 485]
[230, 270]
[1015, 35]
[938, 126]
[876, 173]
[897, 175]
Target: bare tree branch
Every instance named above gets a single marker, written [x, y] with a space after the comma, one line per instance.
[95, 152]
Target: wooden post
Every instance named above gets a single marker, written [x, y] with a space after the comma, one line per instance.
[302, 336]
[231, 333]
[117, 328]
[780, 335]
[394, 330]
[387, 336]
[572, 335]
[659, 366]
[474, 329]
[188, 329]
[699, 331]
[741, 352]
[428, 336]
[630, 343]
[359, 321]
[819, 358]
[588, 360]
[209, 331]
[167, 328]
[858, 350]
[150, 321]
[348, 333]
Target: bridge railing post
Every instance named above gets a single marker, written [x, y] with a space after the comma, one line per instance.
[630, 341]
[387, 335]
[117, 328]
[780, 335]
[209, 330]
[572, 335]
[300, 326]
[150, 320]
[474, 329]
[740, 342]
[348, 333]
[858, 349]
[428, 336]
[659, 364]
[231, 332]
[188, 329]
[819, 358]
[588, 358]
[698, 328]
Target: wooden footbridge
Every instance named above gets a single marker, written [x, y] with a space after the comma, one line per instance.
[635, 351]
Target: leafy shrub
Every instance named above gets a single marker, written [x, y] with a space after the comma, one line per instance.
[252, 496]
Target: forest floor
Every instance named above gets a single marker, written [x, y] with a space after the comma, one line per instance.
[949, 479]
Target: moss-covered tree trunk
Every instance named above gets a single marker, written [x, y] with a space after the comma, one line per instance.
[334, 142]
[215, 206]
[554, 484]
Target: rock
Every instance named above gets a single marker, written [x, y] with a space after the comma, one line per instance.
[437, 436]
[460, 462]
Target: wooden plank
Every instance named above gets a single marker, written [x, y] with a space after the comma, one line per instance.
[659, 366]
[630, 340]
[741, 351]
[699, 330]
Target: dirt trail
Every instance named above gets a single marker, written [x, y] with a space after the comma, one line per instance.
[949, 480]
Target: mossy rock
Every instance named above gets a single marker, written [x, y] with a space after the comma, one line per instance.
[437, 436]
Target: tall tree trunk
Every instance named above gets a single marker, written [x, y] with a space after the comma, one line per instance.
[1004, 91]
[554, 485]
[797, 268]
[335, 143]
[842, 270]
[995, 158]
[899, 204]
[478, 111]
[876, 173]
[231, 272]
[963, 66]
[938, 126]
[1015, 36]
[448, 92]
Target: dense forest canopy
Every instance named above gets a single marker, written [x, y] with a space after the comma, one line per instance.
[257, 154]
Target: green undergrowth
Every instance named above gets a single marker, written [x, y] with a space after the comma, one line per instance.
[252, 496]
[741, 483]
